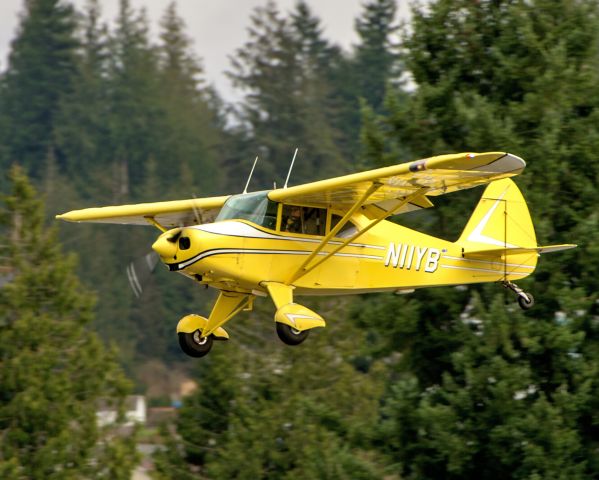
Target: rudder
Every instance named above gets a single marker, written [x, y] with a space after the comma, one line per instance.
[500, 222]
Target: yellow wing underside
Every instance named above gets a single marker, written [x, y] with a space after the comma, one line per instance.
[437, 175]
[432, 176]
[168, 214]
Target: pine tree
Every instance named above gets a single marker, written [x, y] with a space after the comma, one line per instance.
[135, 111]
[42, 64]
[486, 85]
[509, 406]
[282, 71]
[519, 77]
[376, 57]
[362, 77]
[191, 133]
[264, 410]
[317, 109]
[53, 370]
[82, 127]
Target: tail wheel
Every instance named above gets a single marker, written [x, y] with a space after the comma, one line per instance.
[290, 335]
[194, 345]
[524, 303]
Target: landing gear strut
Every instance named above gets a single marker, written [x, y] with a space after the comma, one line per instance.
[525, 300]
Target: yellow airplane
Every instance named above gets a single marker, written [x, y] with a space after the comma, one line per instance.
[330, 237]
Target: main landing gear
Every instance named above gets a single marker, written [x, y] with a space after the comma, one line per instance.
[525, 299]
[196, 333]
[290, 335]
[293, 321]
[194, 345]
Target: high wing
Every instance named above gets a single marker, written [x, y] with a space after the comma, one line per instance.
[396, 189]
[431, 176]
[168, 214]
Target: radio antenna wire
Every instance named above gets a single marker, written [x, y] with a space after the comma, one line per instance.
[247, 184]
[290, 168]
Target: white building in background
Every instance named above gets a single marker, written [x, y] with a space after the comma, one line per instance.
[135, 412]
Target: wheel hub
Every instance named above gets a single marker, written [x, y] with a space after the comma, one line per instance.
[197, 338]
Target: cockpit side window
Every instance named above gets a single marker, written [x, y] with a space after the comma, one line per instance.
[254, 207]
[306, 220]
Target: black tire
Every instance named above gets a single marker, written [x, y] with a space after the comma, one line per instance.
[193, 345]
[289, 335]
[524, 304]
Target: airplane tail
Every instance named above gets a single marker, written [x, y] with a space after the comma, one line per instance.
[501, 230]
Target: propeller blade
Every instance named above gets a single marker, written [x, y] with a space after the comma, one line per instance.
[139, 271]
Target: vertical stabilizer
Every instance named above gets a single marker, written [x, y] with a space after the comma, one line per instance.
[500, 222]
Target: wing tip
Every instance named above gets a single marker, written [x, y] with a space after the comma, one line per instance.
[504, 163]
[515, 159]
[69, 216]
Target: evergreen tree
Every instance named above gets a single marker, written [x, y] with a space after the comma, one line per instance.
[53, 371]
[270, 411]
[376, 57]
[511, 405]
[42, 64]
[191, 133]
[487, 84]
[82, 129]
[362, 77]
[518, 77]
[282, 71]
[135, 111]
[318, 62]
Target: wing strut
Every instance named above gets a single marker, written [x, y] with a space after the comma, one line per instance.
[303, 270]
[152, 221]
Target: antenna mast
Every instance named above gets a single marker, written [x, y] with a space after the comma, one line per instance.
[245, 190]
[290, 168]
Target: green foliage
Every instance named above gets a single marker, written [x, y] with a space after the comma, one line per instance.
[133, 122]
[284, 70]
[42, 66]
[190, 127]
[281, 412]
[490, 392]
[509, 407]
[376, 57]
[447, 383]
[361, 79]
[53, 371]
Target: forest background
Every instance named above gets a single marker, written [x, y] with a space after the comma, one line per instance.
[444, 383]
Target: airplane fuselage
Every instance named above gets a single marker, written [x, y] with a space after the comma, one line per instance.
[238, 255]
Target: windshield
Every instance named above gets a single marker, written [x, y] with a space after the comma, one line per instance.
[254, 207]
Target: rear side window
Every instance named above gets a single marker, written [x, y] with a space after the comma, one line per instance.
[348, 229]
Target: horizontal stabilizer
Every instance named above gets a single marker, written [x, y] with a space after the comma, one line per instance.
[515, 250]
[555, 248]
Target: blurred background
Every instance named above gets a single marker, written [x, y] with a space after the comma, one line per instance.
[113, 102]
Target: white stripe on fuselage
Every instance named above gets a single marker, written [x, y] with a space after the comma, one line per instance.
[241, 229]
[222, 251]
